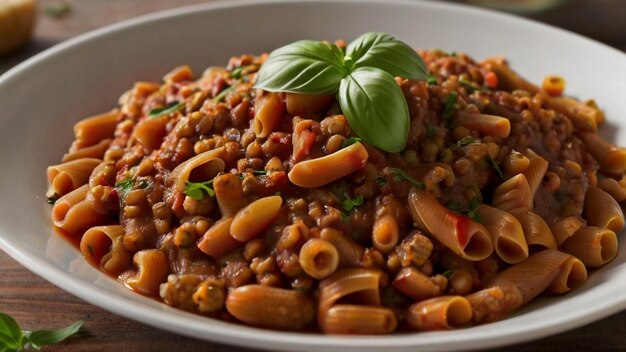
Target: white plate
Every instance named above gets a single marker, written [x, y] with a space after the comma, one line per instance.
[41, 99]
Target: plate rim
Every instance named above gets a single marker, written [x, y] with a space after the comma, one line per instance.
[231, 334]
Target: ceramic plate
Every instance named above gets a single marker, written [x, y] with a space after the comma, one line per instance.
[42, 98]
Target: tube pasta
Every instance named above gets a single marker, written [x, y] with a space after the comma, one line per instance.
[533, 275]
[535, 171]
[350, 252]
[73, 214]
[362, 284]
[302, 104]
[103, 248]
[463, 236]
[614, 188]
[92, 130]
[536, 230]
[318, 258]
[66, 177]
[594, 246]
[506, 232]
[202, 167]
[583, 117]
[415, 284]
[270, 307]
[95, 151]
[255, 218]
[602, 210]
[269, 111]
[440, 313]
[385, 233]
[217, 240]
[565, 228]
[494, 303]
[489, 125]
[507, 78]
[361, 320]
[515, 163]
[572, 275]
[513, 193]
[611, 158]
[151, 132]
[318, 172]
[152, 270]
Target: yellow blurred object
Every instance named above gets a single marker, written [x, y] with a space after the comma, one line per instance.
[17, 20]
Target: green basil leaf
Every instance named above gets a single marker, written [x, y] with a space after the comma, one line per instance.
[387, 53]
[10, 332]
[50, 337]
[375, 108]
[305, 66]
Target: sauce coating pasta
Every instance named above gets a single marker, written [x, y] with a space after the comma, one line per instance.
[263, 208]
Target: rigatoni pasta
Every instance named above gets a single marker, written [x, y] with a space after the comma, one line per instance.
[268, 208]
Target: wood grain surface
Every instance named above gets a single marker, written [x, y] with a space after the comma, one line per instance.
[37, 304]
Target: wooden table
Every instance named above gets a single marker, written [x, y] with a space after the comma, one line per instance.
[37, 304]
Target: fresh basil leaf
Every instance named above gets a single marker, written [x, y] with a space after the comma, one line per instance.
[306, 66]
[375, 108]
[10, 332]
[383, 51]
[50, 337]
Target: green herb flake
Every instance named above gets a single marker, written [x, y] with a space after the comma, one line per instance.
[196, 190]
[470, 210]
[362, 77]
[399, 176]
[259, 172]
[466, 141]
[348, 204]
[58, 10]
[448, 110]
[345, 218]
[431, 80]
[448, 273]
[350, 141]
[170, 108]
[431, 129]
[453, 53]
[220, 97]
[471, 86]
[495, 167]
[236, 73]
[53, 198]
[125, 185]
[381, 180]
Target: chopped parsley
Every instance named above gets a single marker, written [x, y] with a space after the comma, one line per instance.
[466, 141]
[170, 108]
[495, 167]
[471, 86]
[448, 273]
[236, 73]
[469, 210]
[196, 190]
[350, 141]
[348, 204]
[125, 185]
[399, 176]
[344, 217]
[431, 129]
[381, 180]
[220, 97]
[431, 80]
[448, 110]
[259, 172]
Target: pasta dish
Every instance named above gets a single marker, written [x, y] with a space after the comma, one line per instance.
[359, 188]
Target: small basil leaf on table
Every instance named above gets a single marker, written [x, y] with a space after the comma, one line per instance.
[305, 66]
[50, 337]
[383, 51]
[375, 108]
[10, 332]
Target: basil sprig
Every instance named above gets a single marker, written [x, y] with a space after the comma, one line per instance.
[363, 79]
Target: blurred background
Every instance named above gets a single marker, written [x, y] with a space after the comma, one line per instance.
[57, 20]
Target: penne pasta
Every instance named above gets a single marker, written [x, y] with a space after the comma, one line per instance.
[217, 240]
[602, 210]
[250, 221]
[152, 270]
[486, 125]
[229, 193]
[92, 130]
[349, 251]
[594, 246]
[269, 109]
[95, 151]
[462, 235]
[66, 177]
[572, 275]
[565, 228]
[385, 233]
[514, 193]
[318, 258]
[535, 171]
[200, 168]
[536, 230]
[415, 284]
[611, 158]
[506, 233]
[346, 319]
[103, 248]
[440, 313]
[614, 188]
[73, 214]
